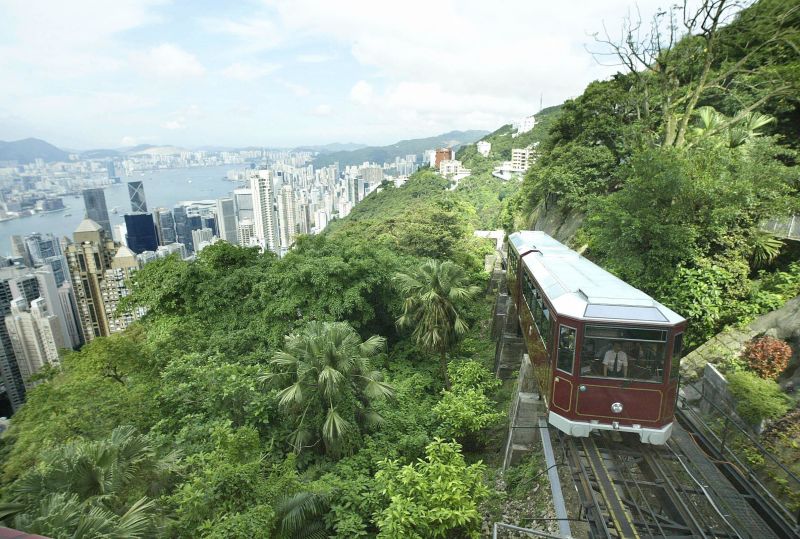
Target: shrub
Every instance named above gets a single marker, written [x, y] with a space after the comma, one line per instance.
[435, 497]
[756, 398]
[768, 357]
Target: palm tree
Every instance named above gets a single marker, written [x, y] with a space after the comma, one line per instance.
[328, 383]
[86, 485]
[65, 515]
[434, 294]
[737, 130]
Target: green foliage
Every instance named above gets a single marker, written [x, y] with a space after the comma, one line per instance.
[756, 398]
[328, 383]
[230, 486]
[98, 487]
[466, 409]
[434, 297]
[435, 497]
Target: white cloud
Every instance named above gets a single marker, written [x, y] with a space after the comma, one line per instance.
[249, 72]
[297, 89]
[361, 92]
[173, 124]
[168, 61]
[322, 110]
[129, 141]
[314, 58]
[495, 61]
[253, 35]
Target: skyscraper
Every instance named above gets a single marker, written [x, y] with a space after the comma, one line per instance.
[226, 220]
[201, 238]
[15, 282]
[165, 226]
[113, 289]
[136, 193]
[45, 249]
[88, 258]
[35, 336]
[95, 202]
[141, 234]
[183, 233]
[287, 217]
[19, 250]
[266, 231]
[243, 202]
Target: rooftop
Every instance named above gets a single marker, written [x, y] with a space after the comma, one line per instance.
[580, 288]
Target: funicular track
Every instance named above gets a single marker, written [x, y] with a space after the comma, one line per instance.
[630, 489]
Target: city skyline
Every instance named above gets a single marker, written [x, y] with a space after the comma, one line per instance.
[282, 74]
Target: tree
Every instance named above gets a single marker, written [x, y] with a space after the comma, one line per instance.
[435, 497]
[328, 384]
[676, 68]
[96, 480]
[466, 410]
[434, 296]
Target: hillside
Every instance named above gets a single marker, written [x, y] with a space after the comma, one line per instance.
[502, 141]
[384, 154]
[28, 150]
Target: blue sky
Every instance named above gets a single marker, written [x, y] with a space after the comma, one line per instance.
[90, 74]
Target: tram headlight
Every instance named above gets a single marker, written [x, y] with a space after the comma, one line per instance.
[616, 407]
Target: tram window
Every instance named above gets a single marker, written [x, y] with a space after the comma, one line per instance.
[566, 348]
[512, 260]
[618, 352]
[677, 351]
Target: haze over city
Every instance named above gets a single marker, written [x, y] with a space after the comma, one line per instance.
[87, 75]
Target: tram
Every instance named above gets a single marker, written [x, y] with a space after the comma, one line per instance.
[606, 355]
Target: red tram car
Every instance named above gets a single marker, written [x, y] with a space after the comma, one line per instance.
[605, 354]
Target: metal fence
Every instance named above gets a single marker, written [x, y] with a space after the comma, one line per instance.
[788, 228]
[734, 443]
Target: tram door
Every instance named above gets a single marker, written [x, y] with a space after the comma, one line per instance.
[563, 371]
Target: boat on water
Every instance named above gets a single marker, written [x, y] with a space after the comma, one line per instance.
[67, 215]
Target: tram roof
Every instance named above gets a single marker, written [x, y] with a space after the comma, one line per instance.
[580, 288]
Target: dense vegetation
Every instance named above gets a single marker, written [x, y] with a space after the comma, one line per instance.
[676, 167]
[269, 397]
[276, 397]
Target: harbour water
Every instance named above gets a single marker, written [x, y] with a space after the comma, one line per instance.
[162, 188]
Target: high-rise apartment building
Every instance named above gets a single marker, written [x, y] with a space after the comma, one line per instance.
[287, 222]
[15, 283]
[136, 194]
[246, 233]
[226, 220]
[35, 336]
[264, 219]
[19, 250]
[141, 232]
[45, 249]
[95, 202]
[89, 256]
[201, 238]
[113, 288]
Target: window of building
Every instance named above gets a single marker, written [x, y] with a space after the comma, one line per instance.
[566, 348]
[620, 352]
[677, 351]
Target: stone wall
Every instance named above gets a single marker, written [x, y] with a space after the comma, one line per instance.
[783, 323]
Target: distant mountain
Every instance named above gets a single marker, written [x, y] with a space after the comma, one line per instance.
[384, 154]
[100, 154]
[332, 147]
[29, 149]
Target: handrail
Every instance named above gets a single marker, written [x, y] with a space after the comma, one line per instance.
[726, 452]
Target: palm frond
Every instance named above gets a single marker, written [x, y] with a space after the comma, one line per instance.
[291, 394]
[335, 427]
